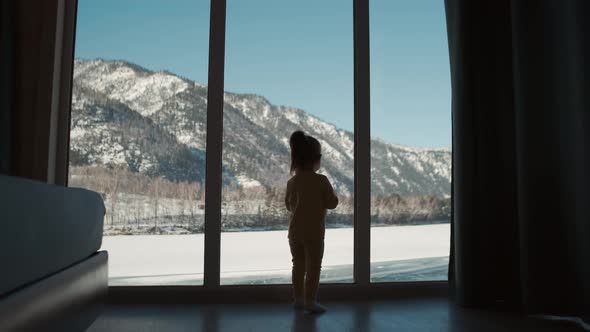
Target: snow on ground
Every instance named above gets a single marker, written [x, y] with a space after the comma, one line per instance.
[251, 256]
[246, 182]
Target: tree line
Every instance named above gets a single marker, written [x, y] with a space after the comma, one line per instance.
[140, 204]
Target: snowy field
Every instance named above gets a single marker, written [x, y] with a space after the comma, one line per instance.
[397, 253]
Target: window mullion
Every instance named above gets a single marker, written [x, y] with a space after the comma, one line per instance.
[362, 137]
[213, 177]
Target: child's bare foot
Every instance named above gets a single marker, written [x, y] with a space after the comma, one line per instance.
[314, 308]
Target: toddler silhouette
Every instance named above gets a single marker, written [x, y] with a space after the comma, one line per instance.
[308, 196]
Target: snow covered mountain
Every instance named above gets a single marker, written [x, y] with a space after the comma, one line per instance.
[150, 122]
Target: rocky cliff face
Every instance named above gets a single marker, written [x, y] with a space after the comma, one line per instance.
[154, 123]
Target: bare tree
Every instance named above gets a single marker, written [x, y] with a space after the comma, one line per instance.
[114, 191]
[156, 200]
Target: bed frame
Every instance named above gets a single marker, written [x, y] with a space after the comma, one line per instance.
[69, 300]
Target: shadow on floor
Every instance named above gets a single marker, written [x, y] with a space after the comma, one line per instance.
[407, 315]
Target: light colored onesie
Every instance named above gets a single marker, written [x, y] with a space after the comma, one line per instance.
[308, 196]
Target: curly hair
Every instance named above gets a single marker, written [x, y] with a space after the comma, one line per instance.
[305, 151]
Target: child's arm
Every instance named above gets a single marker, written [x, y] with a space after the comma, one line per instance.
[330, 197]
[288, 197]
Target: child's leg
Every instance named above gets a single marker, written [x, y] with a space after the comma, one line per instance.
[298, 272]
[314, 252]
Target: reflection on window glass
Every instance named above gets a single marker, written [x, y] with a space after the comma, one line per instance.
[410, 149]
[298, 54]
[138, 133]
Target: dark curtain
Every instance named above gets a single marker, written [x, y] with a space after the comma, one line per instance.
[30, 34]
[27, 73]
[6, 64]
[521, 143]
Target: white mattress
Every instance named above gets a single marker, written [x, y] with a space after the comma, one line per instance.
[44, 229]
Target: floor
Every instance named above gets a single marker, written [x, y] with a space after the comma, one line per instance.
[401, 315]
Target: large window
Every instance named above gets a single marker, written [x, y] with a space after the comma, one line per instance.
[410, 151]
[288, 70]
[138, 133]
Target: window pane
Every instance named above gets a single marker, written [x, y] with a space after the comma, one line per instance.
[138, 133]
[410, 149]
[295, 53]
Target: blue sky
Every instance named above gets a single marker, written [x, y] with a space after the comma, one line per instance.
[295, 53]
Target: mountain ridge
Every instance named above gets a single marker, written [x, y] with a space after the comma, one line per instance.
[169, 112]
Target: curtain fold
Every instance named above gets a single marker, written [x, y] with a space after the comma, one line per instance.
[30, 36]
[521, 136]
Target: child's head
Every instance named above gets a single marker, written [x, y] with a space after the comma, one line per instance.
[306, 152]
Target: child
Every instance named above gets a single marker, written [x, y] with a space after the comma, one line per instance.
[308, 196]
